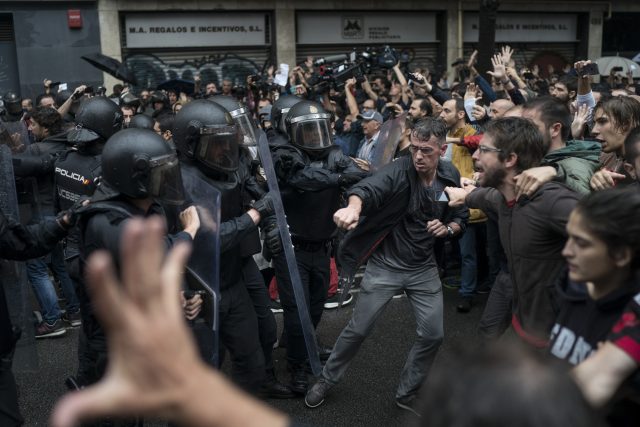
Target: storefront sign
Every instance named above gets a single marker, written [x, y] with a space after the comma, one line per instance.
[365, 28]
[522, 27]
[194, 30]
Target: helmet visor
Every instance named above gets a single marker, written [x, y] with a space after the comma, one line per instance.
[311, 133]
[165, 180]
[219, 147]
[247, 127]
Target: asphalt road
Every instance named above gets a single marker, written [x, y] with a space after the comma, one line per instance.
[364, 398]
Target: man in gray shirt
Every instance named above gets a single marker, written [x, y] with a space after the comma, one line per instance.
[402, 216]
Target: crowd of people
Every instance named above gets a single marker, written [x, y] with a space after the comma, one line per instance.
[522, 184]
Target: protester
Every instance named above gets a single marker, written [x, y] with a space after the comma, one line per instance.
[403, 220]
[602, 254]
[613, 120]
[51, 135]
[532, 230]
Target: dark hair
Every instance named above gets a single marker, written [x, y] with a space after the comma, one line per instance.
[622, 110]
[165, 122]
[42, 96]
[570, 82]
[502, 386]
[48, 118]
[612, 215]
[632, 145]
[425, 105]
[519, 136]
[552, 110]
[426, 127]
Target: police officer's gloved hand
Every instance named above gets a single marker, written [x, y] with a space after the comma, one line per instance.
[272, 240]
[347, 179]
[68, 219]
[265, 206]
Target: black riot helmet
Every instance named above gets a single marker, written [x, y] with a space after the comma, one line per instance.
[309, 126]
[205, 132]
[139, 164]
[241, 115]
[280, 109]
[12, 104]
[142, 121]
[96, 120]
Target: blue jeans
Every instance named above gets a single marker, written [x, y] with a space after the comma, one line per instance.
[469, 260]
[378, 286]
[44, 289]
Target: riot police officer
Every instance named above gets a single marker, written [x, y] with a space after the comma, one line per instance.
[77, 171]
[12, 118]
[139, 170]
[209, 142]
[311, 174]
[251, 246]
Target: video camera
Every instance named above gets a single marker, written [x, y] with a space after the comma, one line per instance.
[335, 70]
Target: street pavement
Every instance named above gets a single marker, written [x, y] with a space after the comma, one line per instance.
[364, 398]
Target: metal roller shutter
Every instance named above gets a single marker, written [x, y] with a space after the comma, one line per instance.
[527, 52]
[154, 66]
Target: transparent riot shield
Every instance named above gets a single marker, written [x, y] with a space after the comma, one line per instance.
[388, 140]
[308, 330]
[203, 267]
[14, 275]
[19, 134]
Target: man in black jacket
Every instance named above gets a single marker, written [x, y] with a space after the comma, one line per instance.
[50, 134]
[404, 217]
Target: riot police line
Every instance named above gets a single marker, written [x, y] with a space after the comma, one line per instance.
[107, 175]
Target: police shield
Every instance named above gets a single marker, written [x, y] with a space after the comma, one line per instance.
[14, 275]
[19, 133]
[203, 267]
[387, 143]
[305, 319]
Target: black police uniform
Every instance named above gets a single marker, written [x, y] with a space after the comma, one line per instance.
[238, 321]
[18, 242]
[137, 164]
[311, 193]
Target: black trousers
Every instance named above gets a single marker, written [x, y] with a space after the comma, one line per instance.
[239, 335]
[314, 273]
[9, 410]
[259, 294]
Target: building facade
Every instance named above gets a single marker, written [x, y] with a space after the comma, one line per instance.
[165, 39]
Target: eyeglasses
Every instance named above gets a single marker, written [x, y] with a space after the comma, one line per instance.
[425, 151]
[485, 149]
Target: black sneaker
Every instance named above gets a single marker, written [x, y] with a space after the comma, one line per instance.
[45, 330]
[334, 301]
[73, 319]
[316, 394]
[275, 306]
[408, 403]
[464, 306]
